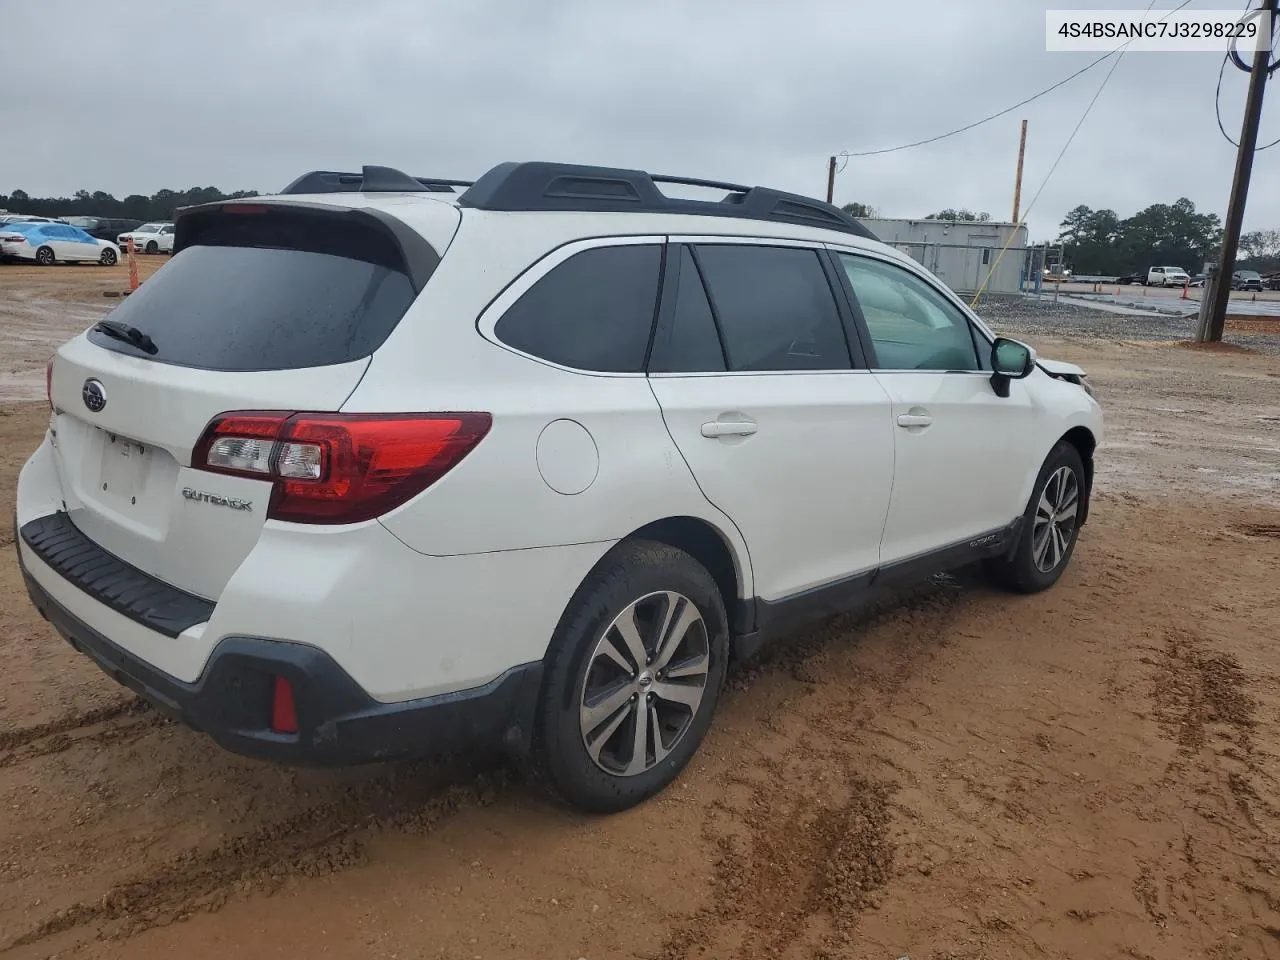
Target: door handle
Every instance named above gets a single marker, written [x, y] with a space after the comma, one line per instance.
[728, 428]
[914, 419]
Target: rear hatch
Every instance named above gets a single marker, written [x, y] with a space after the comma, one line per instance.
[265, 307]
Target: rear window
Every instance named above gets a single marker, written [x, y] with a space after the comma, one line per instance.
[274, 291]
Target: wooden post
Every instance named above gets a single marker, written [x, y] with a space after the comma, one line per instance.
[1211, 331]
[831, 179]
[1017, 183]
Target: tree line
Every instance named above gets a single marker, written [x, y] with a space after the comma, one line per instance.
[159, 206]
[1102, 243]
[1096, 242]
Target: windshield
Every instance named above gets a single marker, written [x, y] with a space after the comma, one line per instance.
[87, 223]
[1249, 274]
[149, 228]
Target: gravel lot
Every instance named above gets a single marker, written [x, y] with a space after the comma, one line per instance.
[951, 774]
[1019, 316]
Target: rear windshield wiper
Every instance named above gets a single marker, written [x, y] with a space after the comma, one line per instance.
[130, 335]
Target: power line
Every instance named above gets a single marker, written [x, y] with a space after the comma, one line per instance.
[1021, 103]
[1061, 153]
[1234, 56]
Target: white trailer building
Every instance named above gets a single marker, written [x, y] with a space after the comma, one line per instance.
[961, 253]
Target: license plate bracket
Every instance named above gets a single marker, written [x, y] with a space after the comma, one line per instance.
[124, 469]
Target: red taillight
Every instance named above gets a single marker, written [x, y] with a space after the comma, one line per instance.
[48, 382]
[244, 208]
[335, 467]
[284, 715]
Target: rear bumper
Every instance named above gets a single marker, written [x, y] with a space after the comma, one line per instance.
[339, 724]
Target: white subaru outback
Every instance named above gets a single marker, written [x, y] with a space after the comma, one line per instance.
[384, 467]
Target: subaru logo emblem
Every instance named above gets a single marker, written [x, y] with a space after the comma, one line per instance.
[93, 395]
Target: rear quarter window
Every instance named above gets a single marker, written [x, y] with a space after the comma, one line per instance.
[275, 291]
[594, 311]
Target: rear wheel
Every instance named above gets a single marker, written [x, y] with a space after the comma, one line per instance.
[1050, 525]
[44, 256]
[633, 675]
[108, 258]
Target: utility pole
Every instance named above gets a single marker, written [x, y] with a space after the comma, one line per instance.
[831, 178]
[1017, 183]
[1214, 319]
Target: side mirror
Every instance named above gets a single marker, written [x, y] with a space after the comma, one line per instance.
[1010, 360]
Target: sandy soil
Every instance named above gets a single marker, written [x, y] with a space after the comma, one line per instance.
[954, 773]
[41, 307]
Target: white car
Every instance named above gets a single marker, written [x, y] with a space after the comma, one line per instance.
[149, 238]
[49, 242]
[1167, 277]
[373, 469]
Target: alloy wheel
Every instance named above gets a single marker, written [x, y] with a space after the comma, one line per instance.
[1055, 521]
[644, 682]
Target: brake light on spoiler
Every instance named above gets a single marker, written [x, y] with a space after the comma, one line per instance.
[332, 468]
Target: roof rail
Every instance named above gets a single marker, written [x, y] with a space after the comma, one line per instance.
[561, 186]
[371, 179]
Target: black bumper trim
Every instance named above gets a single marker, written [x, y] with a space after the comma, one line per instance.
[109, 580]
[339, 724]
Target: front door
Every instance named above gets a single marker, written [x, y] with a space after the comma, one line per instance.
[962, 453]
[752, 367]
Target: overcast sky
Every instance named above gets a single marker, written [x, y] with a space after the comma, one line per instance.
[133, 97]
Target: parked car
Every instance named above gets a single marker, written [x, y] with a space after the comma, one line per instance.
[498, 519]
[104, 228]
[1167, 277]
[149, 238]
[1247, 280]
[1197, 280]
[24, 218]
[48, 243]
[1272, 280]
[1132, 278]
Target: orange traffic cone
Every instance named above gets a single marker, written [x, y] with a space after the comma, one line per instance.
[133, 268]
[1184, 291]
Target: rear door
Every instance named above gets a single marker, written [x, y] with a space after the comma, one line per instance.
[61, 238]
[782, 429]
[272, 309]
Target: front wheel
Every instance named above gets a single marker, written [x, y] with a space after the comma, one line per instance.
[1050, 525]
[108, 258]
[152, 247]
[44, 256]
[633, 675]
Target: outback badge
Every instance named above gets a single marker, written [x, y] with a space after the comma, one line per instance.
[216, 500]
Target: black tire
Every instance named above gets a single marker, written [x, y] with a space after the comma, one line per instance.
[108, 258]
[45, 257]
[152, 247]
[560, 758]
[1020, 570]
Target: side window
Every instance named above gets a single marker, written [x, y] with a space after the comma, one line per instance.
[774, 307]
[594, 311]
[983, 346]
[687, 341]
[912, 326]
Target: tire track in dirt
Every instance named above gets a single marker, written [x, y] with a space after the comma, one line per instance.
[1202, 705]
[321, 840]
[800, 857]
[24, 736]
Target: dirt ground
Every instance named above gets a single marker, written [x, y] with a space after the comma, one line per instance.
[953, 774]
